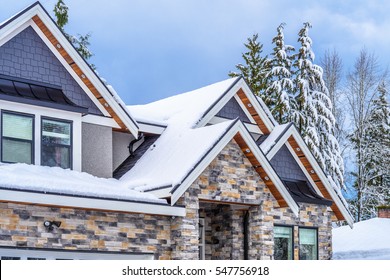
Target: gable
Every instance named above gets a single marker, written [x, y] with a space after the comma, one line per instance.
[230, 177]
[26, 56]
[233, 110]
[286, 166]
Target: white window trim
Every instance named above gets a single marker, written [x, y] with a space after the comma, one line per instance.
[42, 112]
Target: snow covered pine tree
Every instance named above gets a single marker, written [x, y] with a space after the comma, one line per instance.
[281, 87]
[313, 111]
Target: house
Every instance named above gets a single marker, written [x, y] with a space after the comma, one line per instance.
[368, 240]
[206, 174]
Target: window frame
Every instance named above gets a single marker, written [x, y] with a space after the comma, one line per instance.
[32, 141]
[202, 239]
[299, 240]
[292, 238]
[58, 145]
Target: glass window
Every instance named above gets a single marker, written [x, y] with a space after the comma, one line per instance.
[17, 138]
[283, 243]
[308, 246]
[56, 143]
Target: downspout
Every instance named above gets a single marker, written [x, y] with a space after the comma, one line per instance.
[246, 235]
[131, 144]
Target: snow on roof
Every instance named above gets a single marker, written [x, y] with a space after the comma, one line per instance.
[186, 108]
[175, 153]
[271, 140]
[20, 176]
[368, 239]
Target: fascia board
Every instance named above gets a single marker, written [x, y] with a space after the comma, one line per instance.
[255, 103]
[221, 102]
[87, 71]
[283, 139]
[322, 176]
[89, 203]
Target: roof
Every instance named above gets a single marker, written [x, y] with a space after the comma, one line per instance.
[301, 191]
[63, 187]
[133, 159]
[173, 156]
[34, 93]
[369, 239]
[105, 98]
[267, 144]
[186, 108]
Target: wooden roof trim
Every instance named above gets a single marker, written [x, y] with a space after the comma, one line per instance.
[53, 40]
[248, 105]
[260, 170]
[314, 176]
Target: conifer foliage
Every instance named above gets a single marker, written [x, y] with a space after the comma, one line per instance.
[256, 68]
[81, 42]
[281, 86]
[291, 85]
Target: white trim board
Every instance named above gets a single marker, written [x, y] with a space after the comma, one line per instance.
[59, 200]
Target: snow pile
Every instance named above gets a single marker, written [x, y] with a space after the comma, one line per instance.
[368, 239]
[20, 176]
[168, 161]
[271, 140]
[186, 108]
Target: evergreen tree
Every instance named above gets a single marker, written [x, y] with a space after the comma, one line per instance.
[313, 111]
[376, 144]
[81, 42]
[256, 68]
[281, 86]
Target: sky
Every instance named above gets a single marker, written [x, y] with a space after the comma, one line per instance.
[152, 49]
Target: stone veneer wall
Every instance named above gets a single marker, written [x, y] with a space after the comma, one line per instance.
[22, 226]
[230, 179]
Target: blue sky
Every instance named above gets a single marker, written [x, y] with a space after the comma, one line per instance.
[151, 49]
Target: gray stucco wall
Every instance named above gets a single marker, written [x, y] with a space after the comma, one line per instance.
[286, 166]
[232, 110]
[120, 150]
[97, 150]
[26, 56]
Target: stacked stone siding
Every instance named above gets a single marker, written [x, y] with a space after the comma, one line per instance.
[22, 226]
[222, 195]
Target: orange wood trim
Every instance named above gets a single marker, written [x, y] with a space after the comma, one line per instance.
[78, 71]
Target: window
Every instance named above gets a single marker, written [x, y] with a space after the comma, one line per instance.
[17, 138]
[56, 143]
[308, 247]
[283, 243]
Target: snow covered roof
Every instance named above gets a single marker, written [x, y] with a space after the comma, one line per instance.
[186, 108]
[175, 153]
[274, 137]
[368, 239]
[45, 179]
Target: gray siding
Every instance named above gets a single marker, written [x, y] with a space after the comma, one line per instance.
[26, 56]
[120, 143]
[286, 166]
[233, 110]
[97, 150]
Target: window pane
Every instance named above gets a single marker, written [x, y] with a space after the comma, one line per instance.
[55, 132]
[16, 126]
[283, 237]
[308, 244]
[16, 151]
[55, 156]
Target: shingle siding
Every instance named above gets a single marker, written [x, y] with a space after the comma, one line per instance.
[232, 110]
[27, 56]
[286, 166]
